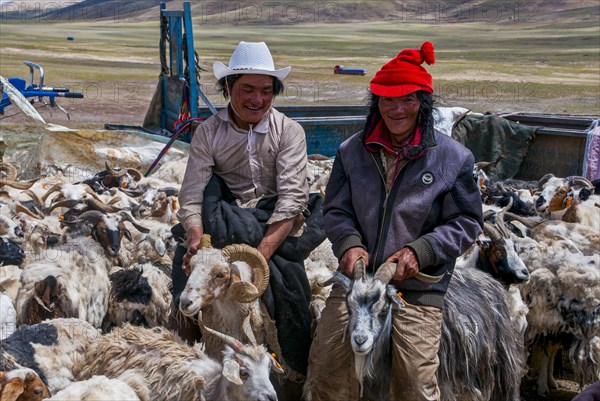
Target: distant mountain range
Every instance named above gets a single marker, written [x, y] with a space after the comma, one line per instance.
[309, 11]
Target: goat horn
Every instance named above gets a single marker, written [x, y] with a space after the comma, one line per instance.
[33, 196]
[103, 207]
[18, 184]
[359, 269]
[578, 180]
[127, 217]
[132, 193]
[22, 209]
[243, 291]
[544, 179]
[9, 170]
[385, 272]
[69, 203]
[527, 221]
[92, 193]
[234, 343]
[500, 219]
[115, 173]
[490, 230]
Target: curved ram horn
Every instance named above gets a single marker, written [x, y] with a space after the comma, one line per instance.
[243, 291]
[54, 188]
[92, 216]
[68, 203]
[529, 222]
[18, 184]
[115, 173]
[127, 217]
[132, 193]
[92, 193]
[579, 180]
[385, 272]
[22, 209]
[170, 191]
[544, 180]
[103, 207]
[136, 175]
[9, 170]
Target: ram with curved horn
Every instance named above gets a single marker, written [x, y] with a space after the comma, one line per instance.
[226, 285]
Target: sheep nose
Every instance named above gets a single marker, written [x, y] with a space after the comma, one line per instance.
[185, 303]
[540, 201]
[360, 339]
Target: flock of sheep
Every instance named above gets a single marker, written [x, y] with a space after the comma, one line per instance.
[85, 295]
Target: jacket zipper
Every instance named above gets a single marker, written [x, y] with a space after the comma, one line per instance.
[384, 213]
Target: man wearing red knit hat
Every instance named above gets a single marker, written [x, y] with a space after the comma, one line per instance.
[403, 195]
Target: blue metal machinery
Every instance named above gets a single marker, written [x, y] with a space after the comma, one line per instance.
[179, 79]
[36, 92]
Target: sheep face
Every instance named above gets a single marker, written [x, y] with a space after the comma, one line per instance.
[22, 385]
[248, 374]
[500, 258]
[209, 280]
[370, 311]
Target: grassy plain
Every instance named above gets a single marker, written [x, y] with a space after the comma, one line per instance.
[484, 65]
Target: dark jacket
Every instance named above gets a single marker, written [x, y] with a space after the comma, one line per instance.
[434, 207]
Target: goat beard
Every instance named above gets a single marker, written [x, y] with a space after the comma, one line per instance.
[360, 370]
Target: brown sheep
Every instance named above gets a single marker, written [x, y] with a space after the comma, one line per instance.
[22, 385]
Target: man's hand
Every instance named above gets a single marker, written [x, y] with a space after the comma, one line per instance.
[350, 257]
[194, 237]
[407, 264]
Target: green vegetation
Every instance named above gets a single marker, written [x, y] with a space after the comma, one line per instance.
[503, 66]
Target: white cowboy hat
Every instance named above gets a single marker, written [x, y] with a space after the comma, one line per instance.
[250, 58]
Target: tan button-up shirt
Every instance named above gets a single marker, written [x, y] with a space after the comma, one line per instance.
[268, 160]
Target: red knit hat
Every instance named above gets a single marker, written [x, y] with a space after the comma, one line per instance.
[403, 74]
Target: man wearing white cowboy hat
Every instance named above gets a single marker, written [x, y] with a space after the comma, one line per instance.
[259, 156]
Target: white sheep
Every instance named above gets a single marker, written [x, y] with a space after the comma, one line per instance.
[8, 316]
[225, 285]
[129, 386]
[176, 371]
[70, 281]
[51, 349]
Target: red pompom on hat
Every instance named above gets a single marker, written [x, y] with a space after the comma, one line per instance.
[404, 74]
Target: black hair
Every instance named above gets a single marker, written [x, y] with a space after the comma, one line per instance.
[228, 81]
[424, 119]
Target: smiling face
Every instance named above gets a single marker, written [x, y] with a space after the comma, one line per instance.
[400, 115]
[251, 97]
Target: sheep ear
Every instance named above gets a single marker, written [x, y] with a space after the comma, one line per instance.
[276, 367]
[12, 390]
[231, 371]
[160, 246]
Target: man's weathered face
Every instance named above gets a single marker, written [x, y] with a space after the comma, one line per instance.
[251, 96]
[400, 115]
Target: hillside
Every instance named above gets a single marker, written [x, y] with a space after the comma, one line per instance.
[546, 12]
